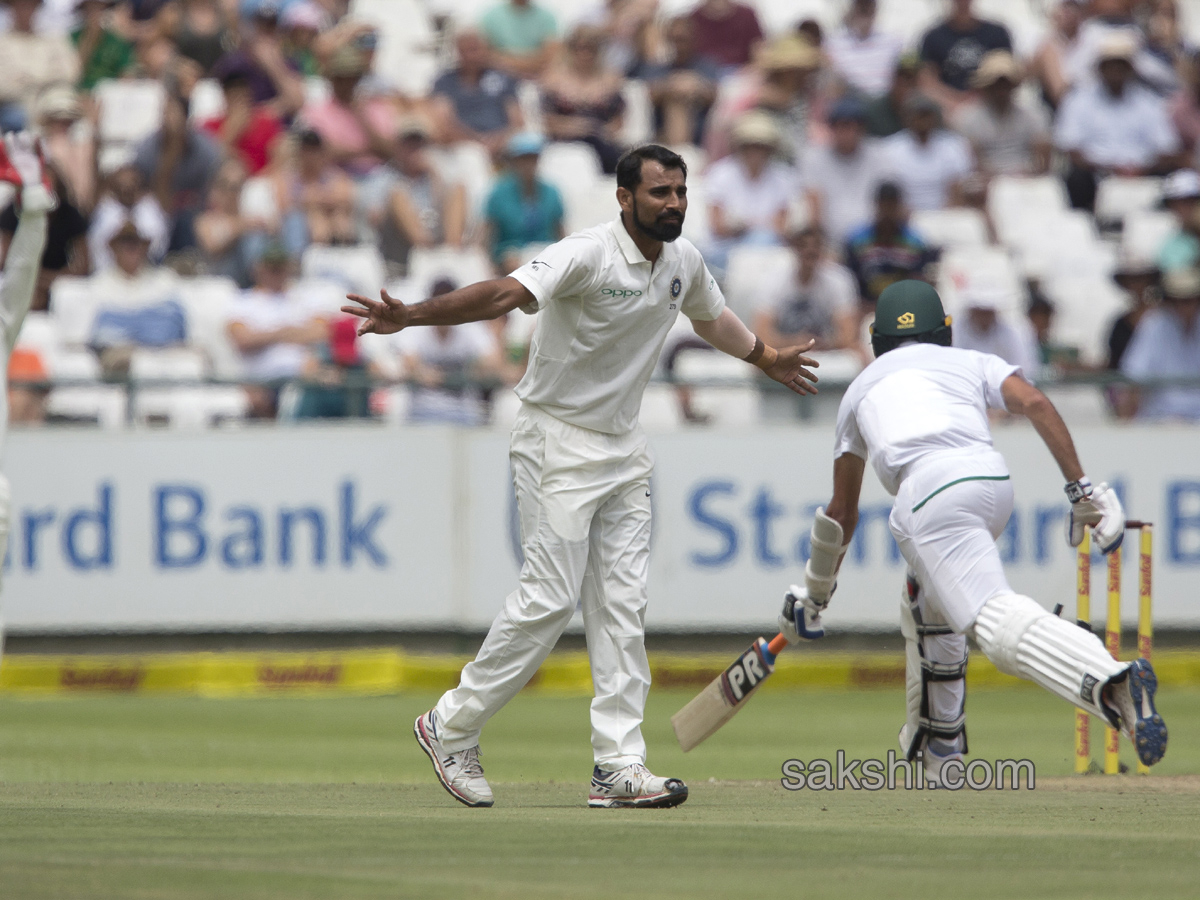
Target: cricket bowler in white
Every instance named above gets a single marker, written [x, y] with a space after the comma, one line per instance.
[21, 166]
[581, 466]
[919, 414]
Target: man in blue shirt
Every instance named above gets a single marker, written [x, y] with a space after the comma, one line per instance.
[475, 102]
[886, 250]
[522, 209]
[1166, 345]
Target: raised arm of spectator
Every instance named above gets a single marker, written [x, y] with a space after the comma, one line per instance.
[289, 85]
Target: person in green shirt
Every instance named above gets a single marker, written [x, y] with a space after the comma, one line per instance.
[521, 35]
[102, 52]
[522, 209]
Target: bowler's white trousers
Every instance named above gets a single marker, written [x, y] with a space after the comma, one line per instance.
[584, 500]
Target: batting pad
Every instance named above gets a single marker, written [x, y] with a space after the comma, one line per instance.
[1025, 640]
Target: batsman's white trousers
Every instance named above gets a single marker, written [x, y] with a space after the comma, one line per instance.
[584, 500]
[948, 513]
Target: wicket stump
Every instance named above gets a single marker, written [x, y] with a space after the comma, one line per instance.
[1112, 632]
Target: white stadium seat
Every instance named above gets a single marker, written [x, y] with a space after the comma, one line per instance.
[106, 404]
[955, 227]
[1085, 307]
[984, 268]
[1145, 232]
[73, 308]
[208, 302]
[181, 364]
[1013, 202]
[569, 165]
[751, 271]
[591, 205]
[638, 124]
[1117, 198]
[359, 268]
[712, 366]
[192, 407]
[129, 110]
[463, 265]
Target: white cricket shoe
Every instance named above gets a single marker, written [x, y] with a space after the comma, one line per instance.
[460, 773]
[634, 786]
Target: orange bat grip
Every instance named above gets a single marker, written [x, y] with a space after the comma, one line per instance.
[777, 643]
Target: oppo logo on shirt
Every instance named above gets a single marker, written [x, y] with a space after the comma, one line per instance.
[620, 292]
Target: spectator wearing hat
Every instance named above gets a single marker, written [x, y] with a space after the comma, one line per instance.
[521, 35]
[861, 55]
[69, 148]
[929, 162]
[125, 197]
[984, 329]
[886, 250]
[179, 162]
[1139, 279]
[245, 129]
[202, 30]
[301, 24]
[726, 33]
[840, 178]
[1052, 64]
[581, 98]
[137, 304]
[817, 300]
[357, 130]
[103, 52]
[30, 62]
[885, 114]
[750, 191]
[409, 203]
[952, 50]
[1114, 19]
[1166, 345]
[1113, 126]
[1008, 138]
[522, 209]
[475, 102]
[1181, 195]
[273, 330]
[683, 88]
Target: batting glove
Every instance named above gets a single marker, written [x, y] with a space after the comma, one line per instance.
[25, 168]
[1098, 507]
[801, 616]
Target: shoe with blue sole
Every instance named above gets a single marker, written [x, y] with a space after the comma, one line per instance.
[1134, 698]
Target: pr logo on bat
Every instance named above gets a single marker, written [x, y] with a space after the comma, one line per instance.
[741, 678]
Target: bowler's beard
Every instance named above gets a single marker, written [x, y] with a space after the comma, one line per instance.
[667, 227]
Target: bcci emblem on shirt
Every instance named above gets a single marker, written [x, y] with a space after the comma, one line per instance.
[676, 290]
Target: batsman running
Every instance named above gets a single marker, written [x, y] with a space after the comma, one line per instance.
[21, 165]
[919, 414]
[581, 466]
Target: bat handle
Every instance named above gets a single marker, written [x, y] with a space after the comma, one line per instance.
[777, 644]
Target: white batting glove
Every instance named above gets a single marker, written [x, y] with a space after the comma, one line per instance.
[25, 158]
[801, 616]
[1100, 508]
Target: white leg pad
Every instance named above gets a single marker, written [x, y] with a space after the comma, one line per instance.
[1025, 640]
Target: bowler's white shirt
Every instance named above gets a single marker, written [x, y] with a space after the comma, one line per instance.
[604, 314]
[916, 400]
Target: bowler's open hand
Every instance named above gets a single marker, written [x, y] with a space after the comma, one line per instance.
[386, 317]
[788, 369]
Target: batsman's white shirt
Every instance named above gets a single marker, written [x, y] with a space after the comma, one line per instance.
[605, 313]
[919, 414]
[581, 473]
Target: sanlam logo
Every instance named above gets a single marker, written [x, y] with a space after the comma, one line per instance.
[620, 292]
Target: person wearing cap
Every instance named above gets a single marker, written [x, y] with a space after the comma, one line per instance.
[273, 328]
[521, 208]
[989, 329]
[302, 24]
[1181, 196]
[125, 196]
[682, 89]
[885, 114]
[952, 50]
[750, 191]
[1139, 278]
[726, 33]
[1008, 138]
[1113, 126]
[522, 36]
[928, 161]
[919, 415]
[1166, 345]
[474, 101]
[357, 130]
[861, 55]
[1109, 19]
[886, 250]
[70, 150]
[840, 178]
[30, 62]
[409, 203]
[606, 298]
[103, 53]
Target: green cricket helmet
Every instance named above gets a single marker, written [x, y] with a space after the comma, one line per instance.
[909, 311]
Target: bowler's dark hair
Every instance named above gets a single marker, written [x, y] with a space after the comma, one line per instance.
[629, 166]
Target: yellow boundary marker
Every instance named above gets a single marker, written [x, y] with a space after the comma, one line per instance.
[387, 671]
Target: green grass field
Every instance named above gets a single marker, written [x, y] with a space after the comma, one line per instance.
[141, 797]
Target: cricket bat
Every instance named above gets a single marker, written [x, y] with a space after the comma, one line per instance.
[727, 693]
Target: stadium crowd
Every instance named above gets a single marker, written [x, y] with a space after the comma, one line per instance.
[228, 168]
